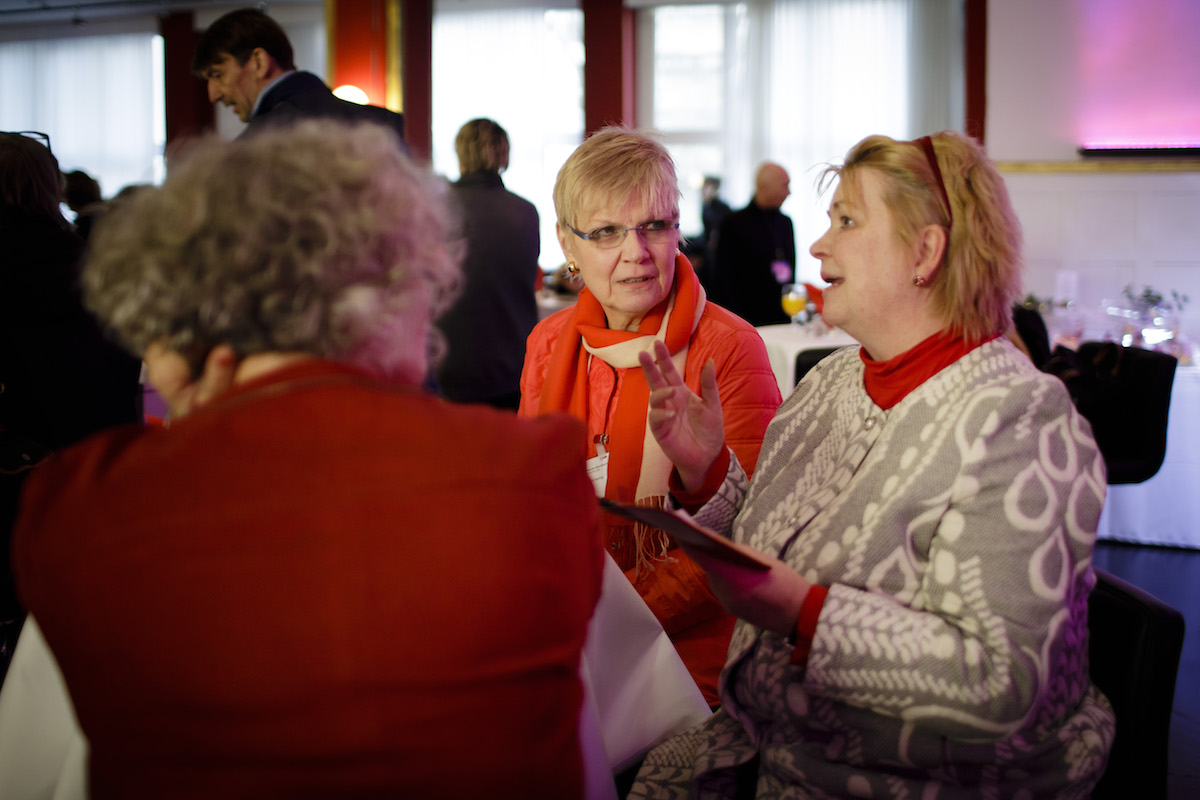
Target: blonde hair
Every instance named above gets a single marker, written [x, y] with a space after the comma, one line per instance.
[980, 275]
[615, 163]
[481, 146]
[320, 238]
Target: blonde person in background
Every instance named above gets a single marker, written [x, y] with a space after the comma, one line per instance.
[486, 327]
[617, 201]
[928, 503]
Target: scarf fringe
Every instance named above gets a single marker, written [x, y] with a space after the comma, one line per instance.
[650, 544]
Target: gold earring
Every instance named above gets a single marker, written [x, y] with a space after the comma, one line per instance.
[571, 268]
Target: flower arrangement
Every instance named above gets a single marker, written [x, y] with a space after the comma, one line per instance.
[1151, 322]
[1044, 305]
[1151, 303]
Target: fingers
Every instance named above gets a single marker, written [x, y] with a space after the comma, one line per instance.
[661, 392]
[217, 378]
[651, 370]
[657, 416]
[659, 368]
[661, 397]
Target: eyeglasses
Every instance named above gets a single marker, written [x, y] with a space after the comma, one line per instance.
[44, 138]
[654, 231]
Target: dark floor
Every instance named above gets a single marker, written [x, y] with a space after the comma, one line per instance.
[1173, 576]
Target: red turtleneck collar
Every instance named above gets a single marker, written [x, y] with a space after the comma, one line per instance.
[889, 382]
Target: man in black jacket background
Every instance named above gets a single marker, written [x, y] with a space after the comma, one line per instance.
[247, 60]
[756, 252]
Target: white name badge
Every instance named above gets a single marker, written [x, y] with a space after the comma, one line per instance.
[597, 470]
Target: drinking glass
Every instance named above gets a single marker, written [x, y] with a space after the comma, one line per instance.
[795, 302]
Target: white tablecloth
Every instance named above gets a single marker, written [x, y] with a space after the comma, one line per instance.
[635, 681]
[1165, 510]
[43, 754]
[785, 341]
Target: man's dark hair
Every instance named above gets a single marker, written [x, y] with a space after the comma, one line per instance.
[238, 33]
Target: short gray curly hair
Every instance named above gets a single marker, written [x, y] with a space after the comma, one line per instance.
[321, 238]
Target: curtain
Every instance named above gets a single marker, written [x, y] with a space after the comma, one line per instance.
[100, 99]
[523, 68]
[798, 82]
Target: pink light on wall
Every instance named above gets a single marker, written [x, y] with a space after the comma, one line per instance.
[1139, 73]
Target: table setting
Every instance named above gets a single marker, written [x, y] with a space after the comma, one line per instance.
[806, 331]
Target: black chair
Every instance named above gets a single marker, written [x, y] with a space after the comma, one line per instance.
[1134, 645]
[1031, 327]
[1125, 393]
[807, 359]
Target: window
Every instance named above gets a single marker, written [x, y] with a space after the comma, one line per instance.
[797, 82]
[100, 98]
[523, 68]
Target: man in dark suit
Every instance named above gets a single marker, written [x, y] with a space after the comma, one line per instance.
[247, 60]
[756, 252]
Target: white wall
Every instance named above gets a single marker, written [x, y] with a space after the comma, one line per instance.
[1030, 80]
[1062, 73]
[1109, 228]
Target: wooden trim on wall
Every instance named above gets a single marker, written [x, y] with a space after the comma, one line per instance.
[394, 90]
[1105, 166]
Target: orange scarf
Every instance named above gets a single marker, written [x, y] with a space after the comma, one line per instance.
[637, 468]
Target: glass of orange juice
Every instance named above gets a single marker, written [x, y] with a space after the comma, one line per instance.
[795, 302]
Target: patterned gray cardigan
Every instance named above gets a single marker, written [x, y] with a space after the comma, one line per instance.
[955, 534]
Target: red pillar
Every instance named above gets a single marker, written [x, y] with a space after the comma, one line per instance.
[609, 88]
[385, 47]
[188, 112]
[416, 71]
[975, 68]
[361, 47]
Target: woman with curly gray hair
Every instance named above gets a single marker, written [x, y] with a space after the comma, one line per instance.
[325, 247]
[301, 585]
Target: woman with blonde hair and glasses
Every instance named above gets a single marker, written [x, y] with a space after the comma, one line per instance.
[926, 504]
[617, 201]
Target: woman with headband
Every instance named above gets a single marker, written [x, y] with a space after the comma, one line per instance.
[927, 504]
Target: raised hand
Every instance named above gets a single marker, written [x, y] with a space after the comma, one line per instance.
[690, 428]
